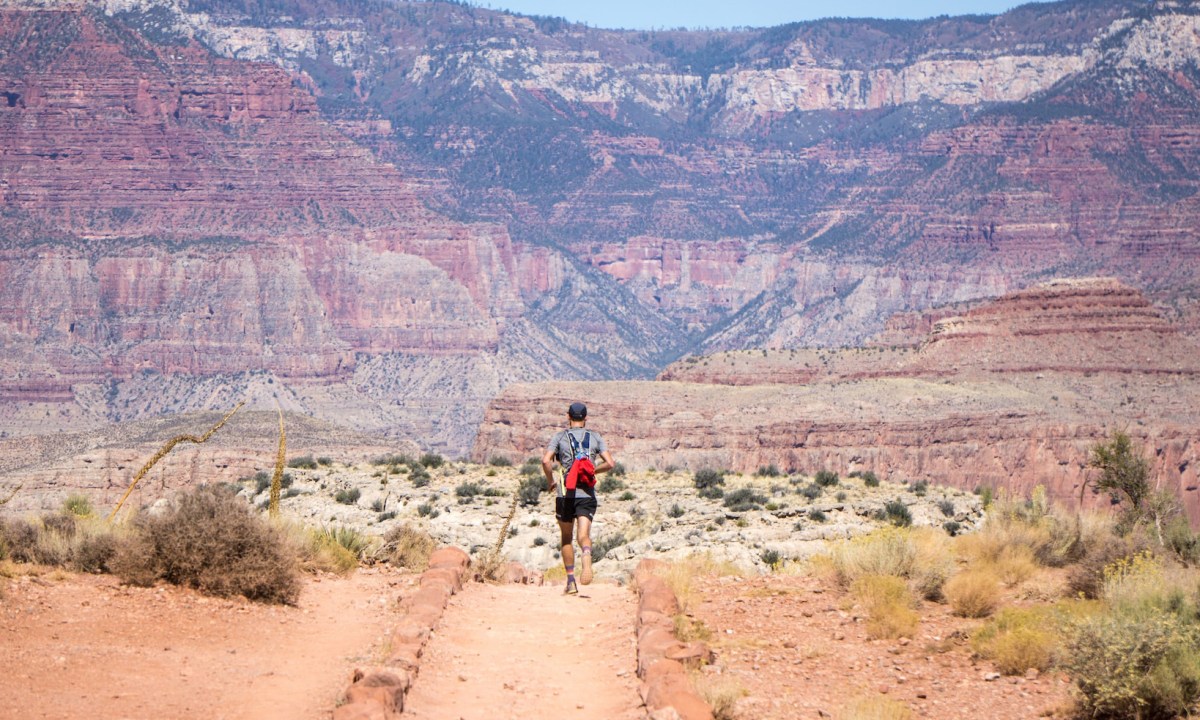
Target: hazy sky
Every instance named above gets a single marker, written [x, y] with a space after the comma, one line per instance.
[646, 14]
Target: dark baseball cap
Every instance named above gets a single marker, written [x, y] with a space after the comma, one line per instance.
[577, 411]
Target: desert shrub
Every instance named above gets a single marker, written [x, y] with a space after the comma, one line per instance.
[744, 499]
[1143, 665]
[1143, 583]
[869, 478]
[385, 516]
[324, 461]
[418, 475]
[676, 511]
[347, 496]
[771, 558]
[1086, 577]
[713, 492]
[618, 470]
[304, 462]
[681, 575]
[920, 488]
[946, 505]
[610, 484]
[77, 505]
[707, 478]
[812, 491]
[817, 516]
[378, 505]
[211, 541]
[889, 605]
[952, 527]
[532, 467]
[432, 460]
[1018, 639]
[1180, 540]
[690, 629]
[468, 490]
[895, 512]
[499, 461]
[529, 491]
[986, 495]
[1015, 565]
[426, 510]
[973, 593]
[394, 459]
[336, 550]
[627, 495]
[826, 478]
[261, 480]
[1053, 538]
[20, 539]
[874, 707]
[922, 557]
[539, 541]
[602, 545]
[771, 470]
[94, 547]
[407, 547]
[841, 496]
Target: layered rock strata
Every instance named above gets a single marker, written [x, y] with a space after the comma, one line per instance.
[1013, 395]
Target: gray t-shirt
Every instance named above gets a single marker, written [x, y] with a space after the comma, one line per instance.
[561, 447]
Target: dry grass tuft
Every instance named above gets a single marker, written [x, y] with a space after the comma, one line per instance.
[973, 593]
[720, 694]
[689, 629]
[874, 707]
[921, 556]
[407, 547]
[1018, 639]
[681, 575]
[889, 606]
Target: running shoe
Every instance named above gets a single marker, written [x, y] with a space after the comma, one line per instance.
[572, 588]
[585, 575]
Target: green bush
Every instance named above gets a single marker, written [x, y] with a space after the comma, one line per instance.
[394, 459]
[771, 470]
[499, 461]
[1143, 665]
[920, 488]
[713, 492]
[676, 511]
[605, 544]
[432, 460]
[324, 461]
[895, 512]
[347, 496]
[627, 495]
[532, 467]
[610, 484]
[826, 478]
[418, 475]
[817, 516]
[812, 491]
[771, 558]
[530, 490]
[946, 505]
[618, 470]
[952, 527]
[212, 541]
[468, 490]
[869, 478]
[78, 505]
[707, 478]
[304, 462]
[744, 499]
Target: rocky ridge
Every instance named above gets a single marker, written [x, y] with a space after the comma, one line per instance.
[1012, 395]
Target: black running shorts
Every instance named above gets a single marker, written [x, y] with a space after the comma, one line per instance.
[567, 509]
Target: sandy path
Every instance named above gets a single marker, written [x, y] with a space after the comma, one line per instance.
[519, 651]
[87, 647]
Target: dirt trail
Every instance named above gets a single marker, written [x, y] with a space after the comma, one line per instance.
[85, 646]
[520, 651]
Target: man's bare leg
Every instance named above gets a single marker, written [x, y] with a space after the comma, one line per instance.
[585, 549]
[568, 551]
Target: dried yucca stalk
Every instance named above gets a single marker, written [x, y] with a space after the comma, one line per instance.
[12, 494]
[277, 478]
[166, 449]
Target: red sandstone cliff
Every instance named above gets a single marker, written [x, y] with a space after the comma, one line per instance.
[1012, 395]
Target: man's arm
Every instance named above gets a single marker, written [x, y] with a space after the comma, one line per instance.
[548, 469]
[606, 463]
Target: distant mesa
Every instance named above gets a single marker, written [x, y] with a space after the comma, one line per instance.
[1010, 394]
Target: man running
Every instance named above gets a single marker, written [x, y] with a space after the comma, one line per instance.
[577, 505]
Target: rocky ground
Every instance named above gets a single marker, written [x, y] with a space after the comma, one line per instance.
[642, 514]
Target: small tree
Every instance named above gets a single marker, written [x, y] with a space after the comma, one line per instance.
[1125, 472]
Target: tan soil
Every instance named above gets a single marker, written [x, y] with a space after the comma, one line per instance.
[82, 646]
[796, 649]
[520, 651]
